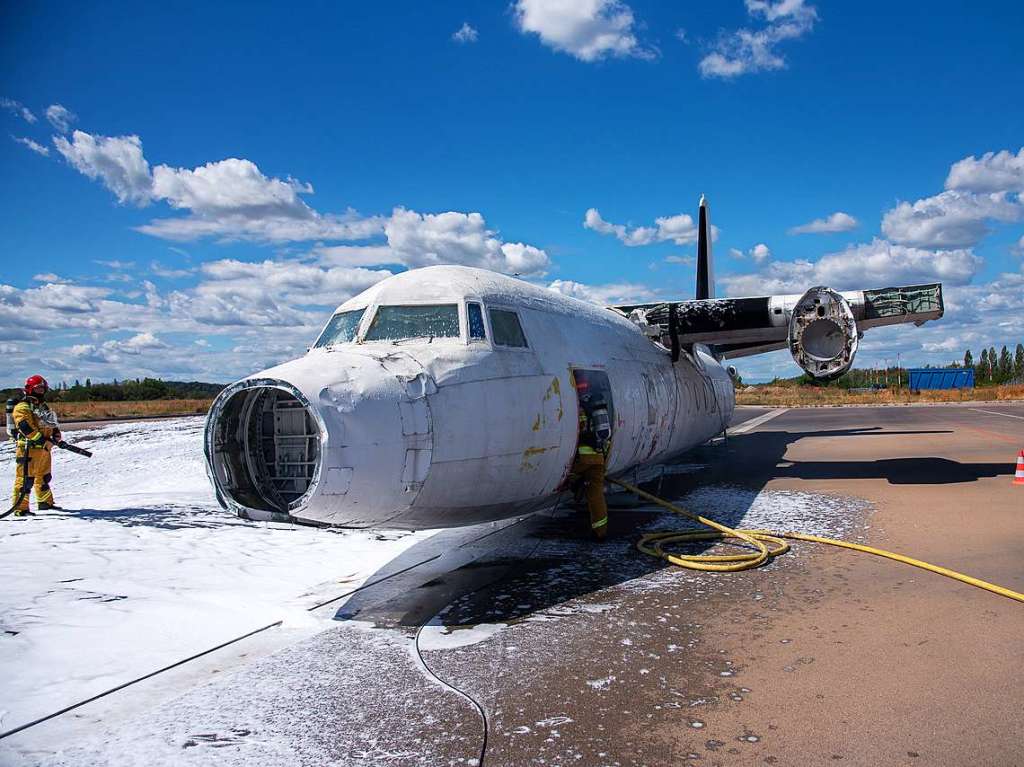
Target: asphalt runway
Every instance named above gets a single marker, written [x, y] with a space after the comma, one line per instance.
[560, 651]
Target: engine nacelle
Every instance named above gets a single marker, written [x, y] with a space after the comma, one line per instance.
[823, 333]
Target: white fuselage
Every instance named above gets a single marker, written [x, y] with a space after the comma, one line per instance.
[423, 433]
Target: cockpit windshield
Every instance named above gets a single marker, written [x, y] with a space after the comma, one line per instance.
[341, 329]
[395, 323]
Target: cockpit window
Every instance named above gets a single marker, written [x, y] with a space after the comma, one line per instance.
[476, 321]
[341, 329]
[506, 327]
[394, 323]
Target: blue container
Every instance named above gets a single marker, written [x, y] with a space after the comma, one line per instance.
[941, 378]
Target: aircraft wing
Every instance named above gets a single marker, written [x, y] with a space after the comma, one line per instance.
[821, 327]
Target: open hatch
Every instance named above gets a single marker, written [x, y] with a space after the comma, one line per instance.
[263, 445]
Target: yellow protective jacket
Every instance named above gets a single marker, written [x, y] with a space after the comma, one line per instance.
[34, 425]
[35, 431]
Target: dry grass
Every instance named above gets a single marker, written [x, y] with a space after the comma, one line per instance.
[98, 411]
[819, 396]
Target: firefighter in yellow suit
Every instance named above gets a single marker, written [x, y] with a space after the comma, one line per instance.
[36, 432]
[589, 467]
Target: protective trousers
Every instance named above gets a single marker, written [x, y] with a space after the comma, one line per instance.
[590, 468]
[33, 466]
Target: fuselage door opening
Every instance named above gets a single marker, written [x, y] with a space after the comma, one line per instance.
[596, 411]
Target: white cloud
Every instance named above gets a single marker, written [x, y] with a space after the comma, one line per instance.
[687, 260]
[170, 274]
[1018, 248]
[994, 172]
[49, 277]
[17, 108]
[422, 239]
[60, 117]
[750, 50]
[758, 254]
[604, 295]
[229, 199]
[680, 229]
[869, 265]
[115, 160]
[465, 34]
[837, 222]
[109, 352]
[950, 219]
[34, 146]
[586, 29]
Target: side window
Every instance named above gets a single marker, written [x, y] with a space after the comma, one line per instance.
[476, 321]
[506, 328]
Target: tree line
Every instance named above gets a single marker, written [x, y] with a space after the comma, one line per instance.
[131, 390]
[994, 368]
[990, 368]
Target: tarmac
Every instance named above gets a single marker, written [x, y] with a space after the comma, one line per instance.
[528, 644]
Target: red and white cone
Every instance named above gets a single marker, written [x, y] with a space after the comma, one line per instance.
[1018, 477]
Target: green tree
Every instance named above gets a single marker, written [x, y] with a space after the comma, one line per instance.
[968, 359]
[993, 360]
[1005, 365]
[1018, 362]
[982, 371]
[88, 383]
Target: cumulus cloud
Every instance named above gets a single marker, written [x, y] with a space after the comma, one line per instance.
[60, 117]
[837, 222]
[950, 219]
[465, 34]
[589, 30]
[229, 199]
[758, 254]
[680, 229]
[33, 145]
[604, 295]
[17, 108]
[993, 172]
[869, 265]
[286, 282]
[753, 50]
[423, 239]
[116, 161]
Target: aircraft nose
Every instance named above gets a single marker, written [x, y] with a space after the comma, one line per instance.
[264, 448]
[351, 446]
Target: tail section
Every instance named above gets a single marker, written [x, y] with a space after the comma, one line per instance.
[705, 267]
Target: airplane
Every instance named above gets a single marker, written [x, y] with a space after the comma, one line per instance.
[450, 395]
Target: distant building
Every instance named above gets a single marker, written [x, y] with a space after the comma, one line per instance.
[941, 378]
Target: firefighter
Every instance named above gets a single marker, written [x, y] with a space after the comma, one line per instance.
[36, 432]
[589, 467]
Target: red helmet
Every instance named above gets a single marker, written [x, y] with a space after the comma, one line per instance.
[36, 382]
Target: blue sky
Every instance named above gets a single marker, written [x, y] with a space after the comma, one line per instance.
[188, 191]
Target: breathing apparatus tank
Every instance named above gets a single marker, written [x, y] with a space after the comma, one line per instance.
[602, 424]
[11, 430]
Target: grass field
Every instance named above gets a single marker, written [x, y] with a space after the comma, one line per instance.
[823, 396]
[98, 411]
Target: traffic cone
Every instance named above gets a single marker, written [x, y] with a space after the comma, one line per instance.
[1018, 477]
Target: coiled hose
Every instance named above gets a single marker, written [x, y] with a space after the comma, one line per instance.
[767, 544]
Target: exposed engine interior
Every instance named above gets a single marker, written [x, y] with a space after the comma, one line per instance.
[823, 333]
[265, 448]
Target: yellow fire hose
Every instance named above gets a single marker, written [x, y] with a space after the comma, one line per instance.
[767, 544]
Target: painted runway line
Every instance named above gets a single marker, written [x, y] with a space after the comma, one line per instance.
[993, 412]
[753, 423]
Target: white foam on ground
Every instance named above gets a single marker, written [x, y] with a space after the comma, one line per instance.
[435, 636]
[150, 570]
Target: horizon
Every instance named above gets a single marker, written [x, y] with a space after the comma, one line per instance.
[198, 217]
